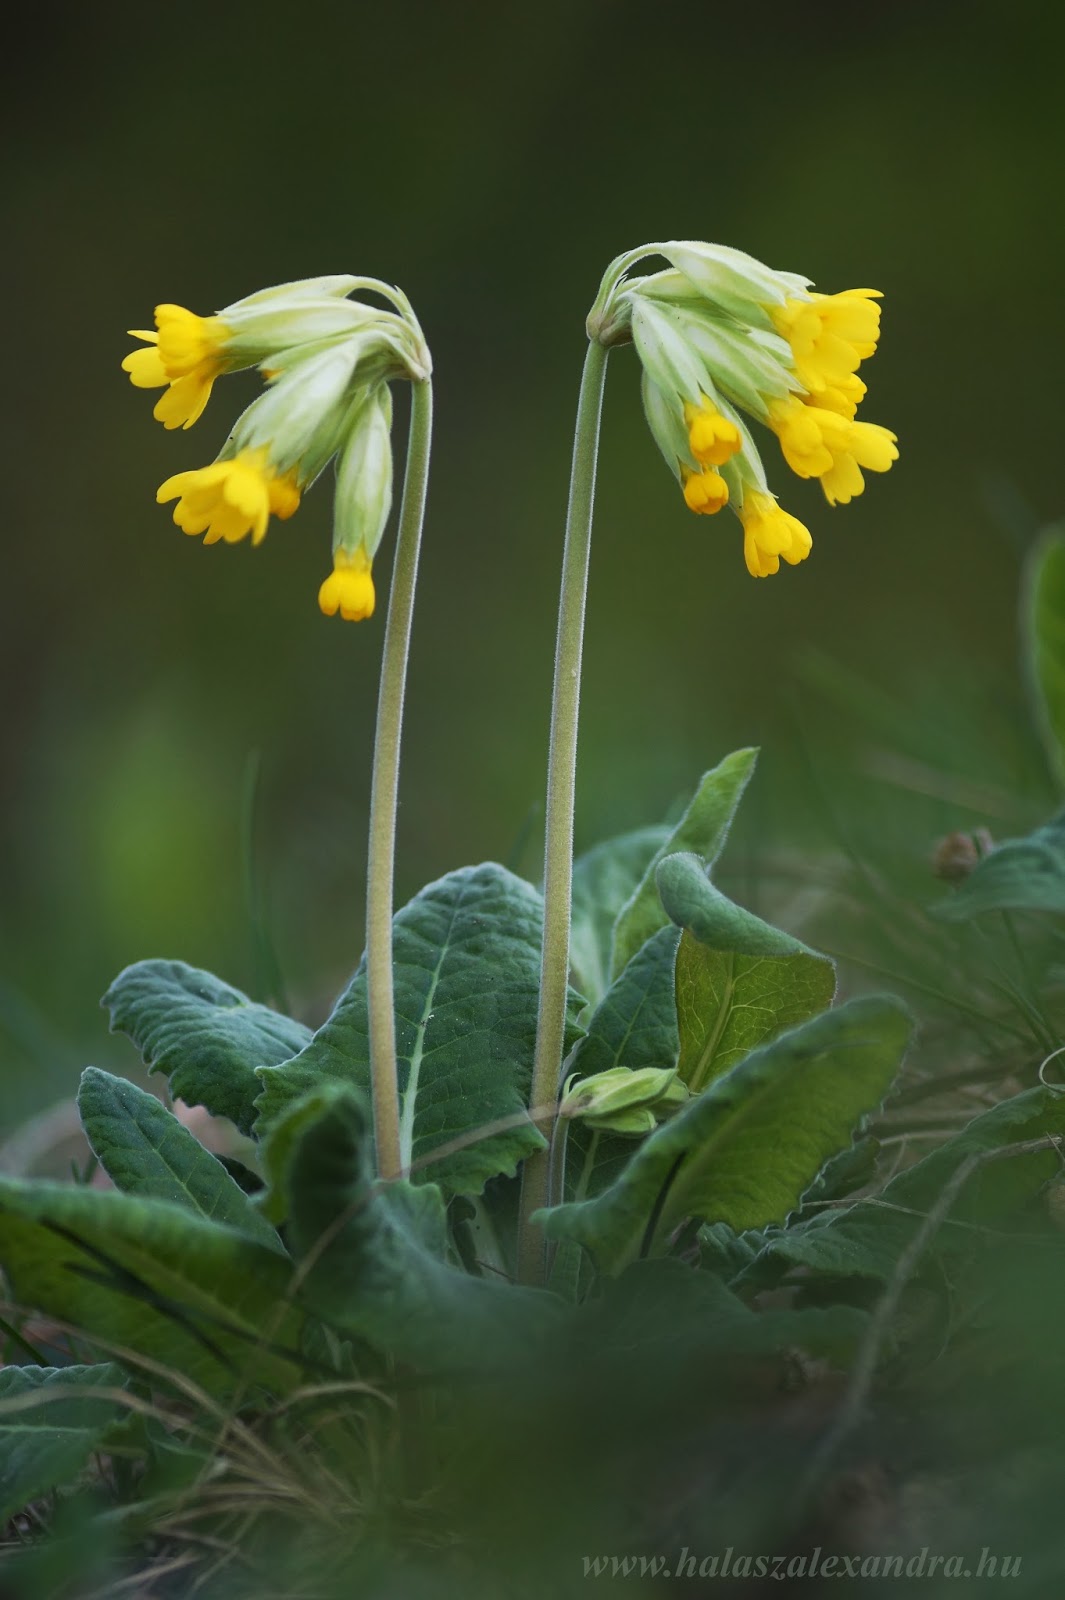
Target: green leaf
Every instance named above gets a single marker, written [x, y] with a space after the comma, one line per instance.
[50, 1424]
[691, 901]
[702, 829]
[467, 972]
[729, 1004]
[154, 1277]
[1044, 628]
[206, 1036]
[867, 1238]
[744, 1151]
[144, 1150]
[679, 1310]
[740, 982]
[603, 880]
[1019, 875]
[374, 1253]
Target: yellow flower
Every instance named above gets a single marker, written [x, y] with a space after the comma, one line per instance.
[844, 396]
[187, 354]
[705, 492]
[770, 532]
[349, 587]
[230, 499]
[829, 334]
[712, 437]
[818, 443]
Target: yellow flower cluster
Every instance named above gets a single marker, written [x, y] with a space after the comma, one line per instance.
[829, 336]
[326, 360]
[720, 334]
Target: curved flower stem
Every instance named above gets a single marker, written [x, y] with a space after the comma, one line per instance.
[385, 789]
[561, 784]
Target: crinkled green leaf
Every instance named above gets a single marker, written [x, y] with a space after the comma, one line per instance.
[205, 1035]
[467, 971]
[146, 1151]
[702, 829]
[604, 878]
[152, 1276]
[867, 1238]
[1043, 621]
[1019, 875]
[745, 1150]
[374, 1253]
[50, 1424]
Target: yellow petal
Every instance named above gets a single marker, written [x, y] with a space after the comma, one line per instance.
[145, 369]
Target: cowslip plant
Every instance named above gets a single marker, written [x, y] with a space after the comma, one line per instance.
[716, 334]
[327, 360]
[532, 1117]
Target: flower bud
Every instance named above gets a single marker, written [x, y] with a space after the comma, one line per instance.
[621, 1100]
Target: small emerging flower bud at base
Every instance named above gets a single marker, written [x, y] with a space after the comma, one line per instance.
[349, 588]
[620, 1100]
[956, 856]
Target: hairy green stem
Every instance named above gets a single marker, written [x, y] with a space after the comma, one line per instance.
[561, 784]
[384, 791]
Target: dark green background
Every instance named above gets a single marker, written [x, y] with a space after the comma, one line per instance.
[491, 159]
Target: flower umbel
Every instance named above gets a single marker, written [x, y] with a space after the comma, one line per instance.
[719, 333]
[327, 360]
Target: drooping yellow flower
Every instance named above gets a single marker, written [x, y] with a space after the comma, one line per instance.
[769, 533]
[231, 498]
[818, 443]
[349, 587]
[705, 492]
[186, 353]
[830, 335]
[713, 438]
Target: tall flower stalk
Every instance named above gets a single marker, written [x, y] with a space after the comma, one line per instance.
[384, 791]
[561, 794]
[717, 334]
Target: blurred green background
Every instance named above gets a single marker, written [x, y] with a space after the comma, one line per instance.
[491, 159]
